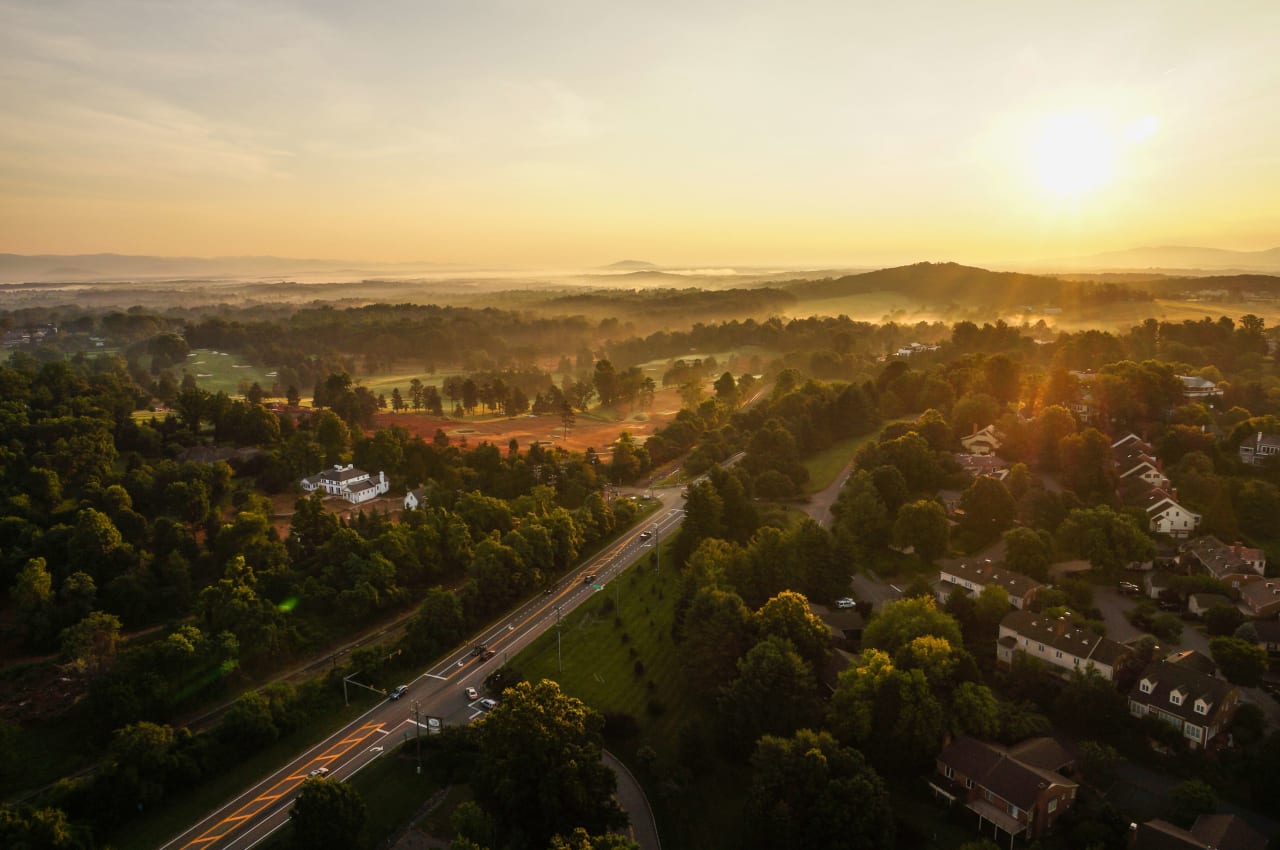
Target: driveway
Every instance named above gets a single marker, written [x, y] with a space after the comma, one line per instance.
[643, 829]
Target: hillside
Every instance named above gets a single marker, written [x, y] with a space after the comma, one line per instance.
[940, 284]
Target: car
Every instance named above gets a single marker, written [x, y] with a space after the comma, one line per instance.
[1128, 588]
[319, 773]
[472, 694]
[645, 535]
[487, 654]
[845, 602]
[488, 704]
[398, 692]
[588, 578]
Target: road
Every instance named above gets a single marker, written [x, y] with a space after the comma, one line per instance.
[437, 695]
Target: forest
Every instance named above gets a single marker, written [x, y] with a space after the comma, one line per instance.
[145, 583]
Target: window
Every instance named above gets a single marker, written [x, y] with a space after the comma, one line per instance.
[1201, 708]
[1077, 661]
[1192, 731]
[1058, 653]
[968, 783]
[1040, 646]
[1175, 698]
[1053, 805]
[1145, 687]
[948, 772]
[1013, 811]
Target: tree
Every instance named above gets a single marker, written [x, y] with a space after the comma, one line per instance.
[1028, 552]
[1223, 619]
[922, 525]
[988, 510]
[775, 693]
[1190, 799]
[1108, 540]
[1243, 663]
[582, 840]
[327, 814]
[1098, 762]
[787, 616]
[25, 826]
[808, 791]
[538, 769]
[899, 623]
[716, 632]
[91, 644]
[438, 625]
[567, 418]
[975, 711]
[1087, 465]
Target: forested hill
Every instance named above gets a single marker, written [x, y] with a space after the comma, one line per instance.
[951, 283]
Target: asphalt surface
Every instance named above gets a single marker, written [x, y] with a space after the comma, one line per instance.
[437, 695]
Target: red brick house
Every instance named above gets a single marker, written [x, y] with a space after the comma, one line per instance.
[1011, 797]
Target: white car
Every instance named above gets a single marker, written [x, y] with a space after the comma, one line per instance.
[845, 602]
[319, 772]
[488, 704]
[472, 694]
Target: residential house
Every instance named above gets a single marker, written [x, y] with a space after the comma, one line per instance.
[1255, 450]
[1194, 659]
[1135, 458]
[982, 442]
[1217, 832]
[1210, 555]
[414, 498]
[1058, 643]
[989, 465]
[1164, 514]
[1194, 387]
[354, 485]
[973, 576]
[1259, 597]
[1198, 705]
[1007, 794]
[1157, 582]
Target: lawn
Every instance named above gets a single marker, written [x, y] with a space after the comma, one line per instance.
[826, 465]
[223, 371]
[393, 791]
[616, 654]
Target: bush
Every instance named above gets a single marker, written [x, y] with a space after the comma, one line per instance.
[620, 726]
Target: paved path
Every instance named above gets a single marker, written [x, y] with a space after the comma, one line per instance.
[643, 829]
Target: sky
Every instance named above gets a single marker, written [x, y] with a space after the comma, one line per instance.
[564, 133]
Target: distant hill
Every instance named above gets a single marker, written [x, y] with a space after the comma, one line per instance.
[630, 265]
[940, 284]
[1182, 258]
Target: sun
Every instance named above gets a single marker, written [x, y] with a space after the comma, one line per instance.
[1075, 155]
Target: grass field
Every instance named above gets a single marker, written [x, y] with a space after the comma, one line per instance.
[393, 791]
[826, 465]
[222, 371]
[601, 644]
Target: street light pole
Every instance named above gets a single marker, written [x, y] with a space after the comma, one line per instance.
[417, 722]
[559, 662]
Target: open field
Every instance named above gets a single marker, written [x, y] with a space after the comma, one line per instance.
[596, 429]
[220, 371]
[826, 465]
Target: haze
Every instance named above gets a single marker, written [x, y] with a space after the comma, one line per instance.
[578, 133]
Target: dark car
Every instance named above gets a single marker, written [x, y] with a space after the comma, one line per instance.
[588, 578]
[398, 692]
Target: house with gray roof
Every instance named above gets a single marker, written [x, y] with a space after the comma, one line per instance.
[973, 576]
[1210, 555]
[1255, 450]
[1057, 642]
[1219, 832]
[354, 485]
[1198, 705]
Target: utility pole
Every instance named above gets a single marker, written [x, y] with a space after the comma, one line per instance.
[417, 722]
[559, 662]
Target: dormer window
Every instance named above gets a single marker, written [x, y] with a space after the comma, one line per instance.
[1145, 686]
[1202, 707]
[1175, 698]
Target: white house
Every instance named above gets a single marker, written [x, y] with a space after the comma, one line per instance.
[1257, 449]
[354, 485]
[1166, 516]
[974, 576]
[1194, 387]
[1058, 643]
[982, 442]
[414, 498]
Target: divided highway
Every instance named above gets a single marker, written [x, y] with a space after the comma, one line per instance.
[438, 694]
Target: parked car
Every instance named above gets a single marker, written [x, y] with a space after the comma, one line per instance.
[472, 694]
[398, 692]
[488, 704]
[845, 602]
[319, 772]
[1128, 588]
